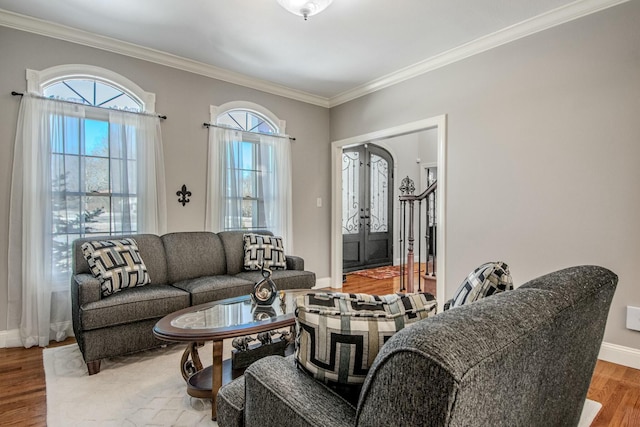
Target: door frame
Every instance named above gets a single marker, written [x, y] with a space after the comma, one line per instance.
[440, 124]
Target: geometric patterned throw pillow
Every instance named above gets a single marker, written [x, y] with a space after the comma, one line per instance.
[262, 250]
[116, 264]
[488, 279]
[338, 335]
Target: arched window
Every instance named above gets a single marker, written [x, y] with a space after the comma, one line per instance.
[90, 85]
[246, 120]
[250, 171]
[90, 157]
[94, 154]
[93, 92]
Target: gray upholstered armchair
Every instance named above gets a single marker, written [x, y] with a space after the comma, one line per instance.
[520, 358]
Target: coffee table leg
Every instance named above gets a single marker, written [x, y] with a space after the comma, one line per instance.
[190, 361]
[216, 380]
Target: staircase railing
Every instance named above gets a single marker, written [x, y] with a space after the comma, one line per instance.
[425, 203]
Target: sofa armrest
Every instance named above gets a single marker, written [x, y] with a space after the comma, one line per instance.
[294, 262]
[277, 393]
[87, 288]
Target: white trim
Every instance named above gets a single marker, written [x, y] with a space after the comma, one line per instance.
[438, 122]
[3, 338]
[38, 80]
[547, 20]
[552, 18]
[620, 355]
[324, 282]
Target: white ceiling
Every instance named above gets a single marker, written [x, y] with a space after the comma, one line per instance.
[353, 47]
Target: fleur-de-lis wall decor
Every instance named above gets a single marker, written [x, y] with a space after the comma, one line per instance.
[183, 193]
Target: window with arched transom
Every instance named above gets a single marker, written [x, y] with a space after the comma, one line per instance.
[250, 170]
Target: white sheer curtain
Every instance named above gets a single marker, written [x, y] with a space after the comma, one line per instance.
[137, 173]
[48, 206]
[226, 168]
[223, 207]
[277, 190]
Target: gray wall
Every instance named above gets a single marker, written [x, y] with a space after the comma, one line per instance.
[543, 151]
[185, 98]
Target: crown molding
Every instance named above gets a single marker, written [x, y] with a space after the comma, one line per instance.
[73, 35]
[539, 23]
[514, 32]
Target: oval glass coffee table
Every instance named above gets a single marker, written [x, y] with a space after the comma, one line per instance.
[216, 321]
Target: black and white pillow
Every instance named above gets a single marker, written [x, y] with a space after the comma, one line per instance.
[262, 250]
[488, 279]
[339, 335]
[116, 263]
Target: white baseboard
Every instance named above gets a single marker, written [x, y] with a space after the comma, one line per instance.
[620, 355]
[10, 338]
[324, 282]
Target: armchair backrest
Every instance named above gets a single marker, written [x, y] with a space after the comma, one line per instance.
[523, 357]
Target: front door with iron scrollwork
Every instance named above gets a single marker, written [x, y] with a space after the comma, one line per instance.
[367, 207]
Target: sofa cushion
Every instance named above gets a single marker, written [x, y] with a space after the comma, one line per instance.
[263, 251]
[339, 335]
[116, 263]
[136, 304]
[214, 288]
[488, 279]
[193, 254]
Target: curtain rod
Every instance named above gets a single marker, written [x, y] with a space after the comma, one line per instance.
[14, 93]
[277, 135]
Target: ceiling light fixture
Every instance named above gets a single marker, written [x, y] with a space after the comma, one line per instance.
[305, 8]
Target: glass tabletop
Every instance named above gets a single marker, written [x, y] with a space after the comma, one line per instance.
[238, 311]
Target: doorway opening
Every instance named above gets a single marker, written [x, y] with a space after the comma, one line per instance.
[380, 138]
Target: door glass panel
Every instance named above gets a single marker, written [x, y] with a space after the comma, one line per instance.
[379, 194]
[350, 192]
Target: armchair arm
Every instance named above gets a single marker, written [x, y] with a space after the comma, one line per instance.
[294, 262]
[277, 393]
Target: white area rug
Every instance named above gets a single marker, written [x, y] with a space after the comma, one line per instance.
[143, 389]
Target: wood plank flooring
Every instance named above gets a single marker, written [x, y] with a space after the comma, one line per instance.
[23, 392]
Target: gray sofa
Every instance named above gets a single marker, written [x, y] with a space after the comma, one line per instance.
[521, 358]
[186, 268]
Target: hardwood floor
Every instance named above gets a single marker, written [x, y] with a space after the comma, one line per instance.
[23, 393]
